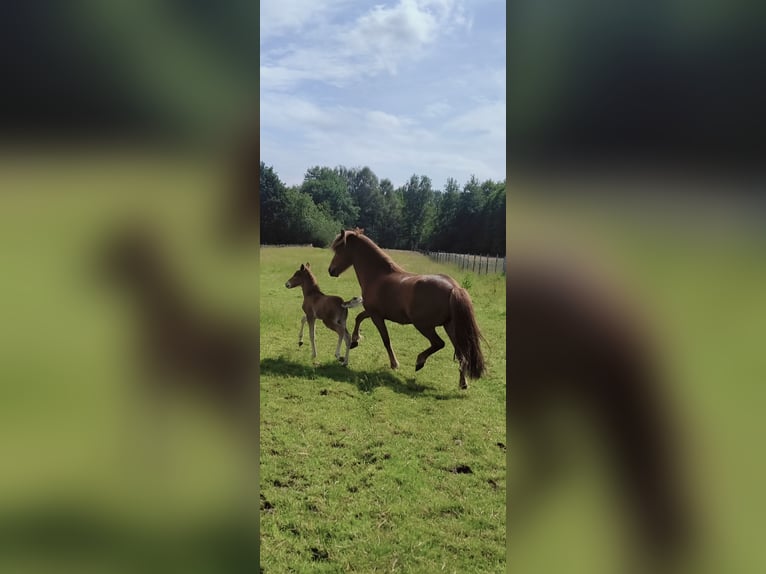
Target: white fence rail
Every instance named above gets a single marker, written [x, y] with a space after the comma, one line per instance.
[475, 263]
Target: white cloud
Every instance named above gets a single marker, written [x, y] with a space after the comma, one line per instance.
[394, 146]
[283, 17]
[403, 87]
[437, 109]
[379, 40]
[488, 119]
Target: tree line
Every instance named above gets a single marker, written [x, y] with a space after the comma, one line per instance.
[414, 216]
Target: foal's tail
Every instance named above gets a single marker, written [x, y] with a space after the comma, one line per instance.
[467, 334]
[353, 302]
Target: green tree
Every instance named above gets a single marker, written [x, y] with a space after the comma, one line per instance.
[446, 224]
[365, 191]
[305, 222]
[329, 190]
[390, 219]
[274, 201]
[417, 211]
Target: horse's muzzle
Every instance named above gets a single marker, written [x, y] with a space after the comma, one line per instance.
[332, 272]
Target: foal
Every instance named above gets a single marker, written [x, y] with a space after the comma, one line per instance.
[182, 347]
[331, 309]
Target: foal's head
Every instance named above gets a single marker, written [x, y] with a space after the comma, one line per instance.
[301, 277]
[342, 258]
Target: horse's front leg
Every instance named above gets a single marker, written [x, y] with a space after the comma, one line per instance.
[380, 323]
[359, 318]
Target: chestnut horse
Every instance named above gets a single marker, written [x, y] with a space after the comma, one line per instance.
[330, 309]
[425, 301]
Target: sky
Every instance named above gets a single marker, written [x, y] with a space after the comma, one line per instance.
[404, 87]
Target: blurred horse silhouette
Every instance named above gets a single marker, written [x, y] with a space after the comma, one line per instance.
[573, 344]
[330, 309]
[425, 301]
[181, 347]
[239, 215]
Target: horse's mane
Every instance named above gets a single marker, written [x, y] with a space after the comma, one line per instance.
[371, 245]
[313, 279]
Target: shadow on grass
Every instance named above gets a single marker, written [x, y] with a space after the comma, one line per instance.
[365, 381]
[63, 531]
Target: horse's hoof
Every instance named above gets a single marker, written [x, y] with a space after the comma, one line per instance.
[341, 359]
[354, 344]
[300, 343]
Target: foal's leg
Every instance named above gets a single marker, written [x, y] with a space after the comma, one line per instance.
[380, 323]
[429, 332]
[359, 318]
[449, 327]
[347, 338]
[312, 321]
[339, 331]
[343, 336]
[300, 335]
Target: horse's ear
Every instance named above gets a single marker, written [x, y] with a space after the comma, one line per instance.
[342, 233]
[308, 265]
[302, 267]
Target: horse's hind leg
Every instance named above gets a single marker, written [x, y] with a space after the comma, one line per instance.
[449, 327]
[380, 323]
[429, 332]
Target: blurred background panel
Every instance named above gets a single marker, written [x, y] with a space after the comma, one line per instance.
[636, 84]
[636, 154]
[125, 116]
[175, 71]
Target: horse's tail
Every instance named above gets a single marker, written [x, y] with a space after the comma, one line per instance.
[353, 302]
[467, 334]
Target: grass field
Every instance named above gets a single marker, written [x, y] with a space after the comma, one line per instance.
[358, 464]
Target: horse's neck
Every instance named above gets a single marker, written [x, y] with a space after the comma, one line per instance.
[370, 263]
[310, 287]
[161, 300]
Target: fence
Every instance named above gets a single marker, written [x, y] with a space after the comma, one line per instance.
[475, 263]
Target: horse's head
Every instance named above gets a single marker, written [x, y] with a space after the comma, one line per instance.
[342, 258]
[299, 277]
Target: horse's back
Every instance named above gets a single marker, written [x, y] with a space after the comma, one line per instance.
[329, 307]
[424, 299]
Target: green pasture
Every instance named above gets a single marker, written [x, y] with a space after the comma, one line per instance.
[361, 465]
